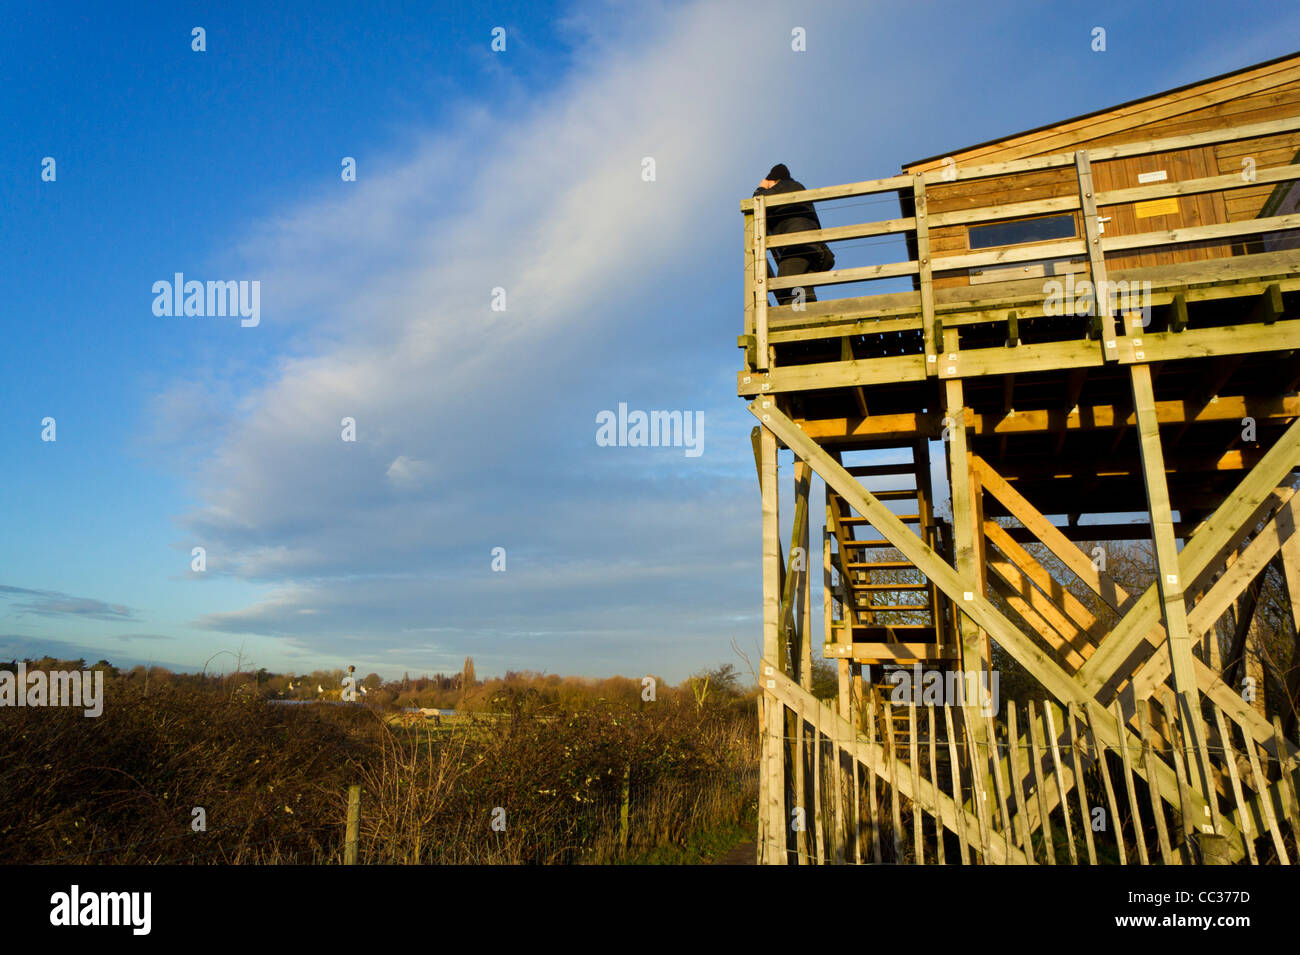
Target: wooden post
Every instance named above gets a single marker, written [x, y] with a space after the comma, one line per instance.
[897, 816]
[773, 655]
[1126, 759]
[759, 254]
[1071, 715]
[918, 816]
[1244, 822]
[1096, 258]
[1169, 581]
[623, 806]
[1036, 766]
[1017, 783]
[1265, 799]
[751, 359]
[353, 836]
[1060, 781]
[875, 814]
[819, 823]
[934, 781]
[924, 275]
[954, 773]
[1100, 749]
[968, 546]
[1148, 762]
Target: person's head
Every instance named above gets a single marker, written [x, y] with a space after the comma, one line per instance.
[775, 175]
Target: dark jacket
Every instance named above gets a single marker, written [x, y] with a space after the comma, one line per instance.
[796, 217]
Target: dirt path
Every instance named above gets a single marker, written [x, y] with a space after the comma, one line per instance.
[743, 854]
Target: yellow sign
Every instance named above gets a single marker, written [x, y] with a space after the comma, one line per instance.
[1156, 207]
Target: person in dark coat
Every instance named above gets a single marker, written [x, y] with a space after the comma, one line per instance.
[795, 217]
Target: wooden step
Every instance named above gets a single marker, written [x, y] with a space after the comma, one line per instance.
[882, 565]
[882, 608]
[876, 470]
[905, 518]
[853, 586]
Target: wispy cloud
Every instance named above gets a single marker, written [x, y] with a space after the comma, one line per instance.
[475, 428]
[52, 603]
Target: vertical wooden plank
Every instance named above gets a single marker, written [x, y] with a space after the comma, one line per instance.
[763, 814]
[800, 787]
[968, 540]
[760, 284]
[773, 653]
[990, 733]
[1071, 716]
[836, 781]
[1187, 710]
[749, 271]
[858, 772]
[1126, 759]
[1096, 258]
[1286, 781]
[1153, 784]
[872, 780]
[1244, 821]
[925, 275]
[895, 810]
[954, 774]
[1035, 764]
[934, 782]
[1116, 826]
[1265, 798]
[979, 776]
[819, 823]
[918, 812]
[1060, 781]
[1176, 751]
[779, 822]
[803, 487]
[1017, 783]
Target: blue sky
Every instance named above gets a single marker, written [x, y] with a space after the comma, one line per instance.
[476, 429]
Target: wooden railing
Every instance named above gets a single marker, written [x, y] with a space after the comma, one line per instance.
[1002, 782]
[930, 314]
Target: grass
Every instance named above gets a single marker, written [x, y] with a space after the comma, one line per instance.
[271, 780]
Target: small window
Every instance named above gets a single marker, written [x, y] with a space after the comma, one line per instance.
[1023, 230]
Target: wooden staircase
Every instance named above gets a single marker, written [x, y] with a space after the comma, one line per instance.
[890, 613]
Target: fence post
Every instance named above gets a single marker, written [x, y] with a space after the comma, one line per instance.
[623, 806]
[354, 826]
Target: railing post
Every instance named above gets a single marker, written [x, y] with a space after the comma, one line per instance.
[760, 283]
[925, 275]
[1096, 258]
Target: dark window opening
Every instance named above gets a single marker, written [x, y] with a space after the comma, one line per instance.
[1024, 230]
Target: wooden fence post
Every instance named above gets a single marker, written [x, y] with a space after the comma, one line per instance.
[354, 826]
[623, 806]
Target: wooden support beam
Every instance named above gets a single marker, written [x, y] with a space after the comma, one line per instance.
[773, 740]
[925, 280]
[1205, 547]
[1096, 258]
[1178, 312]
[1269, 307]
[1169, 577]
[758, 253]
[972, 603]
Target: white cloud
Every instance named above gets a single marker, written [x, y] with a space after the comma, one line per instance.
[609, 281]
